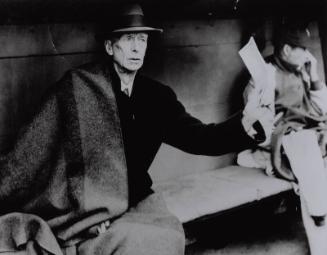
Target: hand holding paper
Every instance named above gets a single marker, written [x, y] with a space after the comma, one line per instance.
[260, 105]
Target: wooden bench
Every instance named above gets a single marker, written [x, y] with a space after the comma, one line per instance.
[206, 194]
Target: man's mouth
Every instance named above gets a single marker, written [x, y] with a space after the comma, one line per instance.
[135, 61]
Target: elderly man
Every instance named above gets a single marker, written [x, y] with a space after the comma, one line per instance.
[76, 180]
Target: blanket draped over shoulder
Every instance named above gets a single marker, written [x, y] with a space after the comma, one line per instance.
[295, 119]
[67, 170]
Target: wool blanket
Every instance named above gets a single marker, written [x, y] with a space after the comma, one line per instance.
[66, 175]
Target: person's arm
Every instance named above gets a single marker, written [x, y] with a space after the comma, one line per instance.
[312, 68]
[318, 89]
[318, 96]
[191, 135]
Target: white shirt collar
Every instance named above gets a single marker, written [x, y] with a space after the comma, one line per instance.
[124, 86]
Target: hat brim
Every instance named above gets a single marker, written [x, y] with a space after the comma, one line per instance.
[137, 29]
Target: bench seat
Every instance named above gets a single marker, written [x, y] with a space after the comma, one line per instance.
[202, 194]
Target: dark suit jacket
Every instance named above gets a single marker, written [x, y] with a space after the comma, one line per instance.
[152, 116]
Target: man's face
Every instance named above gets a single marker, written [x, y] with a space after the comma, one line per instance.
[128, 50]
[296, 56]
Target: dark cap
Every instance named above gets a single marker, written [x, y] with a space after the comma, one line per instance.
[295, 35]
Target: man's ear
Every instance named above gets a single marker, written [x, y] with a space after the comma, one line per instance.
[108, 47]
[286, 49]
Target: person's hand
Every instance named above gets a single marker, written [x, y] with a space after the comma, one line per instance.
[259, 112]
[259, 124]
[312, 66]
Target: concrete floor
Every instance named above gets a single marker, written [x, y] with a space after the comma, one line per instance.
[278, 235]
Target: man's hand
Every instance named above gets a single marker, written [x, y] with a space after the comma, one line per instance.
[259, 112]
[259, 124]
[311, 69]
[312, 66]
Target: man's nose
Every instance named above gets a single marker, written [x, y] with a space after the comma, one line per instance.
[135, 45]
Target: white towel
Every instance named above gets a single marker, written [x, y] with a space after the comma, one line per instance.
[256, 159]
[303, 152]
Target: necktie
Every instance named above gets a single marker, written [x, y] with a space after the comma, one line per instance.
[126, 92]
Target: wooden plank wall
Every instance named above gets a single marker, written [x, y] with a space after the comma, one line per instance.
[323, 35]
[197, 57]
[32, 58]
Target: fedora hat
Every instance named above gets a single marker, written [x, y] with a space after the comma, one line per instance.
[131, 19]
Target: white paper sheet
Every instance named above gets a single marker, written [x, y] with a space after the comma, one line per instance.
[263, 74]
[254, 61]
[260, 102]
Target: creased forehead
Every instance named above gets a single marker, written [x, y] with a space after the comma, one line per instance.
[117, 36]
[138, 33]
